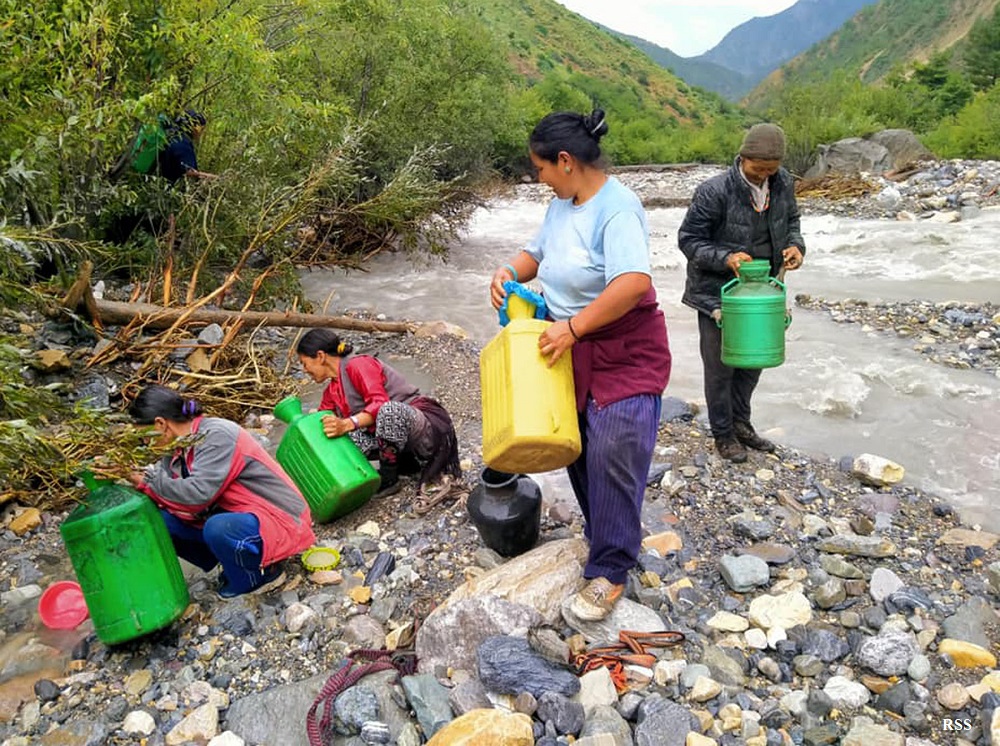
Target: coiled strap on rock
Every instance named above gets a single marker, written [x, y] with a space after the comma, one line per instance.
[631, 649]
[349, 674]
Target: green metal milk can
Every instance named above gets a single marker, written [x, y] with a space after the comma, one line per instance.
[124, 561]
[332, 473]
[754, 318]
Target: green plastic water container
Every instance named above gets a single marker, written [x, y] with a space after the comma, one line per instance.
[332, 473]
[124, 561]
[754, 318]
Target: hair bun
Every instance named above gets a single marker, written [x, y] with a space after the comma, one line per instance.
[596, 124]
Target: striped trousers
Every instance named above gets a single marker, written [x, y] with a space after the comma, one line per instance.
[609, 480]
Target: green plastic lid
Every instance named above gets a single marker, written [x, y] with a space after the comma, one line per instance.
[755, 270]
[320, 558]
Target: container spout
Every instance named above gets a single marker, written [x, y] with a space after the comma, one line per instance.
[89, 480]
[521, 303]
[288, 409]
[757, 270]
[520, 308]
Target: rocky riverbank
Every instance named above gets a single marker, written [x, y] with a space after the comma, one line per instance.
[818, 605]
[958, 335]
[935, 191]
[816, 609]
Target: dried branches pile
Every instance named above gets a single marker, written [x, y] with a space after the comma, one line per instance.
[835, 186]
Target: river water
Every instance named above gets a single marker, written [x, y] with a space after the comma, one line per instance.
[842, 390]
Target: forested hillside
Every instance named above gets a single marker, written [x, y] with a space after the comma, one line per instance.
[712, 77]
[930, 67]
[760, 45]
[882, 37]
[754, 48]
[563, 61]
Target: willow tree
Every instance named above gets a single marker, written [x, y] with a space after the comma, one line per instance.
[412, 93]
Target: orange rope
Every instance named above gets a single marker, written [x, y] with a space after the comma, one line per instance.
[629, 650]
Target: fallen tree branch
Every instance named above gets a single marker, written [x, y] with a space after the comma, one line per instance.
[81, 294]
[158, 317]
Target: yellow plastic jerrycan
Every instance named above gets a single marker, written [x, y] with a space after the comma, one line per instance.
[529, 409]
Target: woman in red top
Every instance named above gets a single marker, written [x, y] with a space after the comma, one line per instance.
[379, 410]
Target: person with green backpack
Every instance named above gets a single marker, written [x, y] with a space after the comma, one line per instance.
[178, 159]
[167, 148]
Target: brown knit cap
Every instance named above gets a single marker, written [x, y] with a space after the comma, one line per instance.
[764, 142]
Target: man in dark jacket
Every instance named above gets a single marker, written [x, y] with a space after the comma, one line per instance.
[747, 213]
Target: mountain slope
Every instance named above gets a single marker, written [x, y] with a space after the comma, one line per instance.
[760, 45]
[754, 48]
[548, 41]
[708, 75]
[880, 37]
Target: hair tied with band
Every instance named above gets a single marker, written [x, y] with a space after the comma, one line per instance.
[341, 348]
[189, 408]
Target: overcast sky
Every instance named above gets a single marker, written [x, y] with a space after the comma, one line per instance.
[687, 28]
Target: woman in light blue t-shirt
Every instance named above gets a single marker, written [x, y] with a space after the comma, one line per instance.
[591, 258]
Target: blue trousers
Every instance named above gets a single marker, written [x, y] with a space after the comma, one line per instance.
[609, 480]
[230, 539]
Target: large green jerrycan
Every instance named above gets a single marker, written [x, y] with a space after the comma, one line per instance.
[124, 561]
[332, 473]
[754, 318]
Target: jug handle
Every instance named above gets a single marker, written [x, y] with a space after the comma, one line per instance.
[734, 281]
[777, 281]
[89, 480]
[554, 393]
[717, 313]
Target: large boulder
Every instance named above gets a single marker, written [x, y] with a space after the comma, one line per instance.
[451, 634]
[903, 146]
[883, 151]
[850, 156]
[540, 578]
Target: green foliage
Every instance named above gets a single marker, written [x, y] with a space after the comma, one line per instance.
[811, 115]
[972, 133]
[18, 399]
[918, 99]
[876, 42]
[15, 271]
[279, 83]
[45, 442]
[982, 53]
[576, 65]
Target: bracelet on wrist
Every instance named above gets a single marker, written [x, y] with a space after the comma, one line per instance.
[513, 272]
[356, 421]
[569, 323]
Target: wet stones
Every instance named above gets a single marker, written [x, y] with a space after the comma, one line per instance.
[46, 690]
[508, 664]
[953, 334]
[889, 654]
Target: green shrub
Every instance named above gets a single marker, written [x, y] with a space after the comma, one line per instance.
[972, 133]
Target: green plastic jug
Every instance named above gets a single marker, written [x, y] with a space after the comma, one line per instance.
[754, 318]
[124, 561]
[332, 473]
